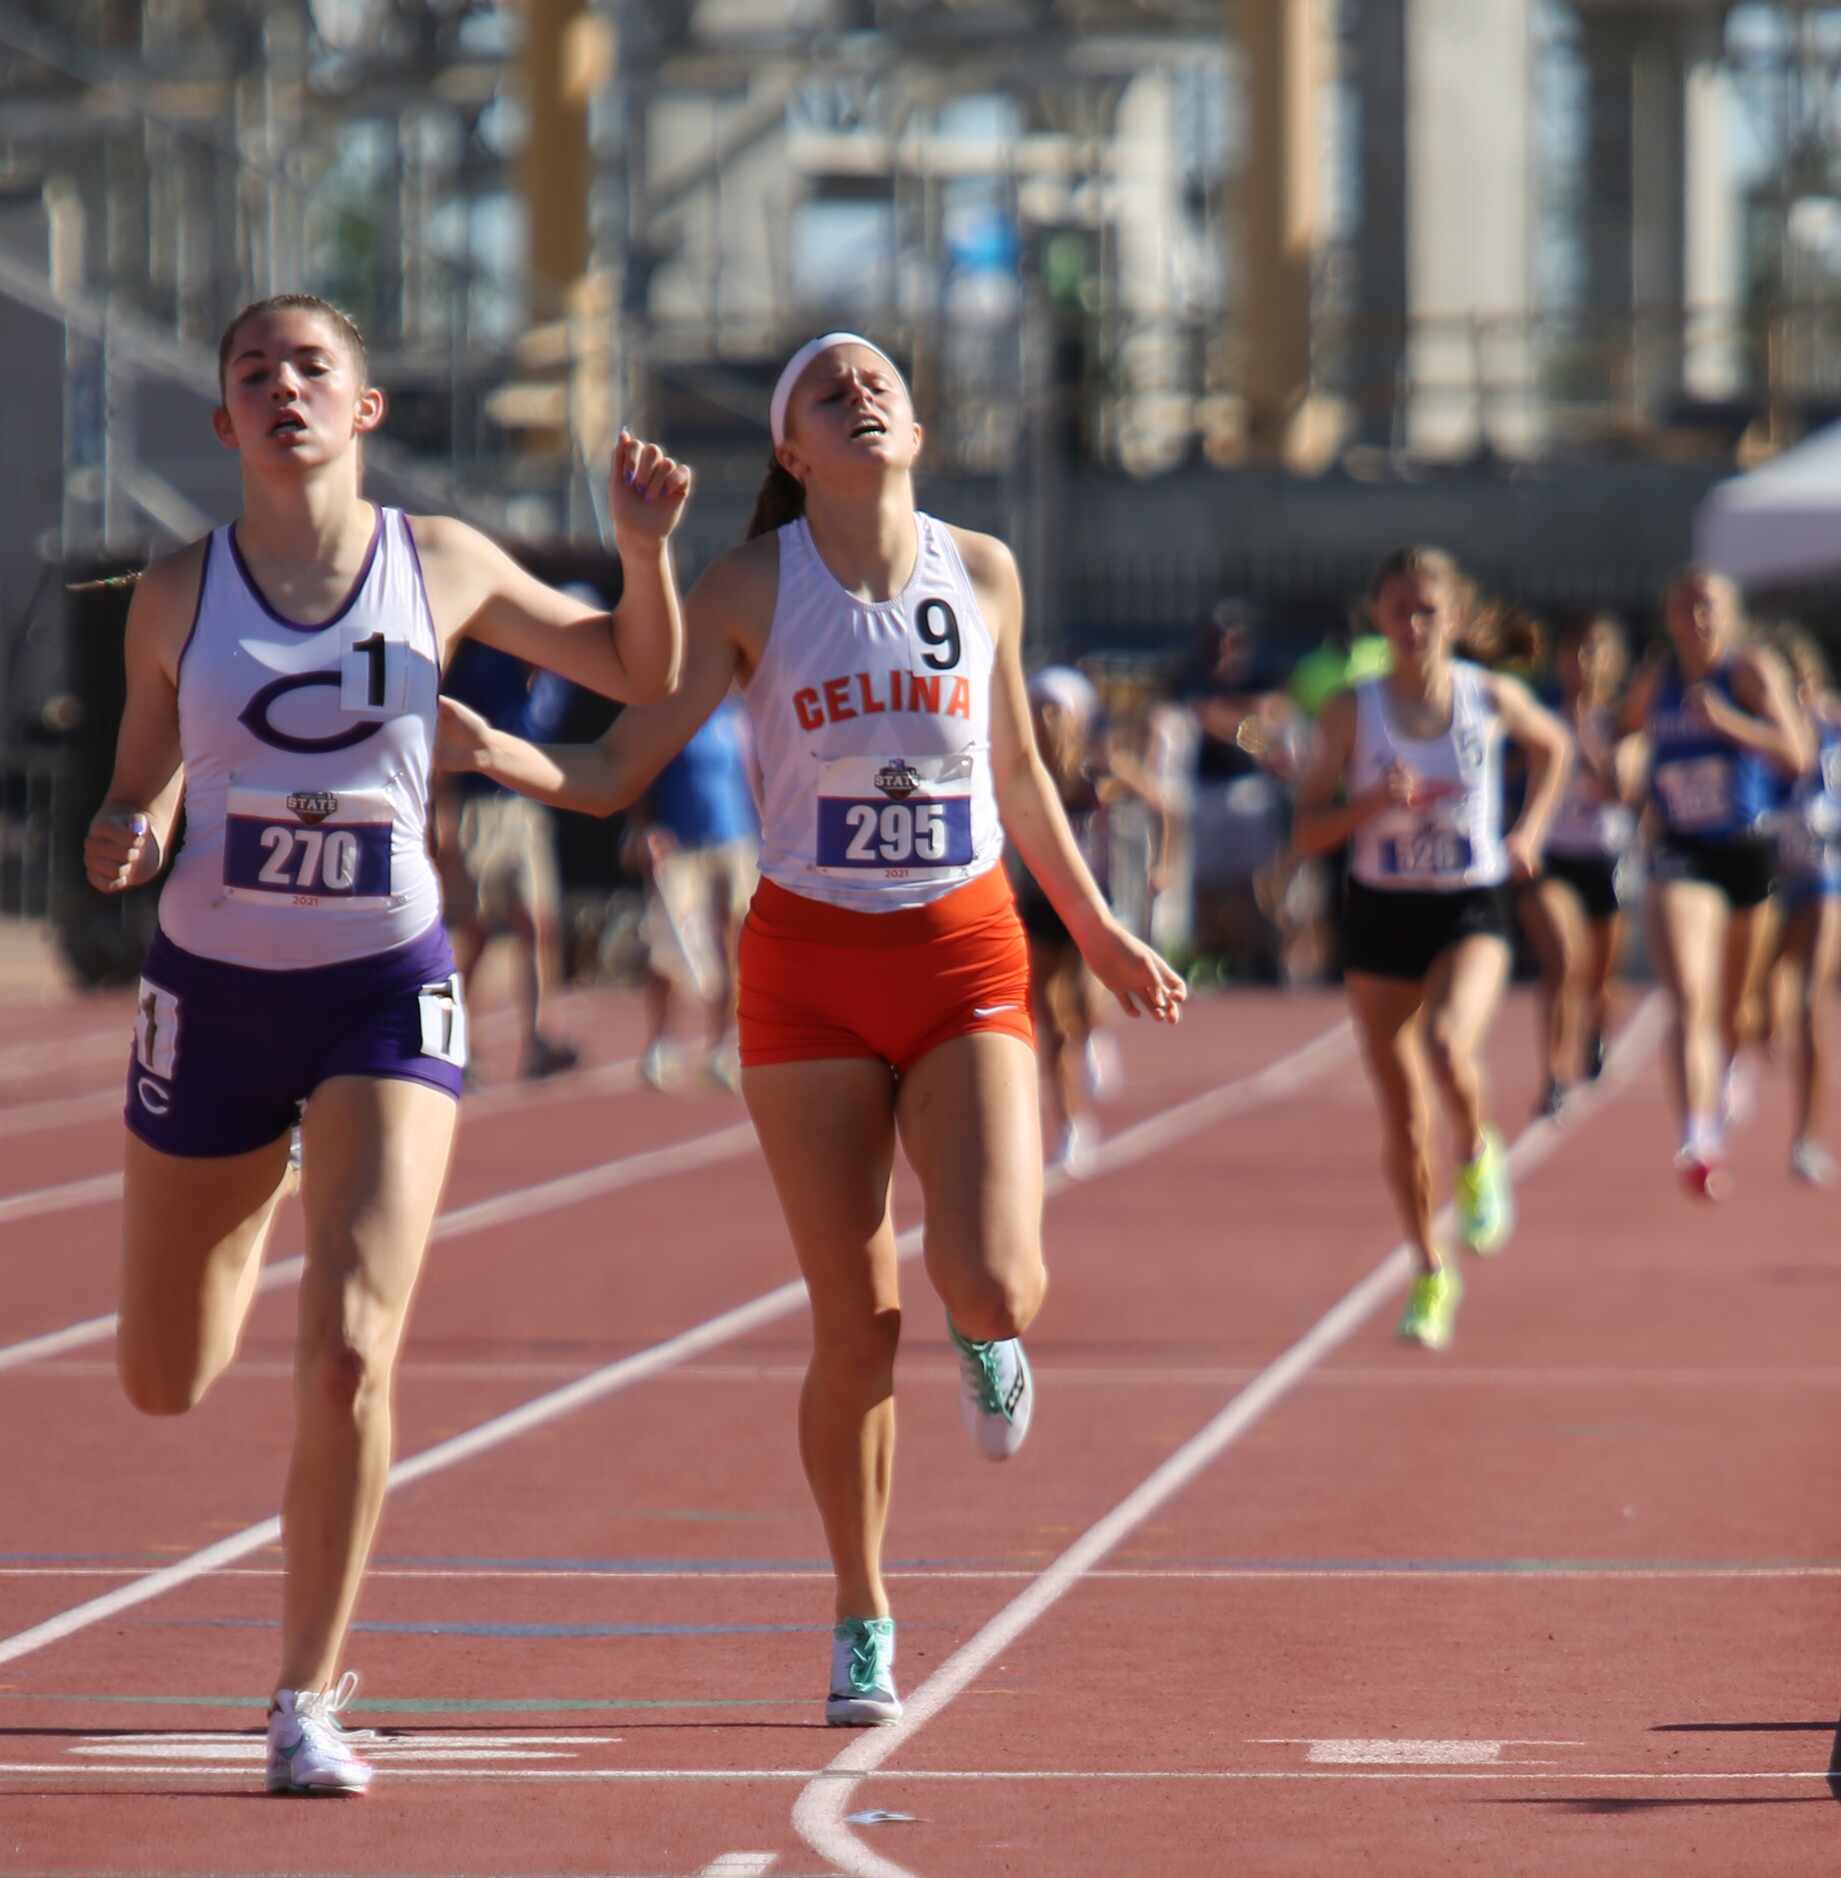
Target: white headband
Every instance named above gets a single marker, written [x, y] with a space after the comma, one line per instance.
[795, 367]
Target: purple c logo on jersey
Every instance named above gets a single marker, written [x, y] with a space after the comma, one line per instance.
[254, 718]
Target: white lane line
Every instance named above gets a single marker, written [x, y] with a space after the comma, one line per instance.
[92, 1046]
[30, 1118]
[922, 1369]
[1535, 1776]
[92, 1190]
[21, 1061]
[1534, 1573]
[1288, 1074]
[740, 1865]
[818, 1814]
[520, 1203]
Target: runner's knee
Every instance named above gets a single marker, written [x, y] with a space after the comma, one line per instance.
[993, 1306]
[158, 1388]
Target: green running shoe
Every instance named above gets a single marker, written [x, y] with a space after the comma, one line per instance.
[1486, 1207]
[1431, 1309]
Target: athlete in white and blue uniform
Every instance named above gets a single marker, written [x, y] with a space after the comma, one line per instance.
[1809, 947]
[1722, 727]
[1573, 914]
[282, 678]
[1416, 760]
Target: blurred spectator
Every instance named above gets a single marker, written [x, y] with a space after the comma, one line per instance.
[1091, 777]
[696, 838]
[1245, 739]
[497, 850]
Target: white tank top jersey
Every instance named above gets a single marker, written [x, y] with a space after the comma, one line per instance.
[1585, 825]
[871, 724]
[1445, 846]
[308, 752]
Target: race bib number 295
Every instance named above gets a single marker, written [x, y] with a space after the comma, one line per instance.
[920, 832]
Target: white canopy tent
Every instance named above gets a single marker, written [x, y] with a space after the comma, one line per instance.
[1780, 524]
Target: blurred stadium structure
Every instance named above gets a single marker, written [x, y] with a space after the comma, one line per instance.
[1200, 296]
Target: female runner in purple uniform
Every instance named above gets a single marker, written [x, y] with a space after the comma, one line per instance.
[281, 678]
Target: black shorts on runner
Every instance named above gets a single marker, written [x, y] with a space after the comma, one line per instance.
[1743, 869]
[1592, 877]
[1400, 935]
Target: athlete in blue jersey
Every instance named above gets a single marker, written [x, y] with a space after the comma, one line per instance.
[696, 835]
[1809, 950]
[282, 676]
[1722, 726]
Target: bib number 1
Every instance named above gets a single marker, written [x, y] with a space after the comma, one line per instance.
[373, 675]
[444, 1022]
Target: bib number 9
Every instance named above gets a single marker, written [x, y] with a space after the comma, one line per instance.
[920, 833]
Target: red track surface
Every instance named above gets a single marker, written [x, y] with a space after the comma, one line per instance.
[1562, 1599]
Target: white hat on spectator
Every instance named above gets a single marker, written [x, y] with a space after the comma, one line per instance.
[1070, 691]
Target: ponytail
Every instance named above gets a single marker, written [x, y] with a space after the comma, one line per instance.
[781, 500]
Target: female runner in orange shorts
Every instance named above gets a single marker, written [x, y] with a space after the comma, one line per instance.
[884, 976]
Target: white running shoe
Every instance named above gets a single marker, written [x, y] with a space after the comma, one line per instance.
[997, 1394]
[1074, 1151]
[656, 1066]
[1811, 1162]
[1101, 1068]
[863, 1674]
[1738, 1094]
[308, 1750]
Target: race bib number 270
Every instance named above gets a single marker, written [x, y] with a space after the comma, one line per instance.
[311, 846]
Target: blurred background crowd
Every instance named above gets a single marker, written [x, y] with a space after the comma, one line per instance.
[1206, 305]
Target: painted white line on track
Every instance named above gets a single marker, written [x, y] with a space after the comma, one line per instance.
[92, 1190]
[832, 1778]
[30, 1118]
[520, 1203]
[23, 1060]
[818, 1814]
[1283, 1077]
[740, 1865]
[1533, 1572]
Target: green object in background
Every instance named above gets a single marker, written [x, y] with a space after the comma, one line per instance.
[1319, 675]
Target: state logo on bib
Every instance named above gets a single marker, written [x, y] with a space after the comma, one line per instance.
[918, 818]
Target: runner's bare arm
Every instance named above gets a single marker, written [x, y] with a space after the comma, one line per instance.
[1032, 814]
[1549, 750]
[634, 653]
[131, 832]
[1767, 718]
[728, 612]
[1322, 823]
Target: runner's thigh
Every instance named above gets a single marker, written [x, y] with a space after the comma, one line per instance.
[827, 1129]
[191, 1225]
[971, 1126]
[376, 1157]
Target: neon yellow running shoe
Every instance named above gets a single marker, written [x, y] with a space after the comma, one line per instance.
[1431, 1309]
[1485, 1205]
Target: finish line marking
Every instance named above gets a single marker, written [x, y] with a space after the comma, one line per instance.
[1532, 1571]
[845, 1778]
[1397, 1753]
